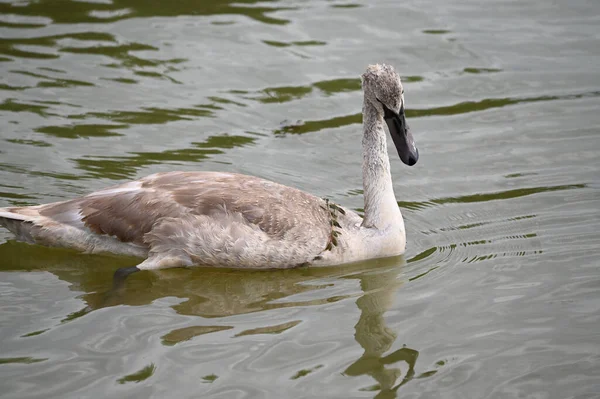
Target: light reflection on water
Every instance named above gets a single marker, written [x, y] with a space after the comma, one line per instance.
[497, 294]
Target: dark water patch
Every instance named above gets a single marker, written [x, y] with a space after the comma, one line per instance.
[57, 176]
[148, 115]
[522, 217]
[11, 50]
[20, 360]
[476, 242]
[423, 274]
[355, 192]
[211, 107]
[52, 40]
[469, 226]
[20, 25]
[117, 168]
[15, 196]
[487, 257]
[12, 168]
[51, 69]
[514, 175]
[225, 141]
[275, 43]
[222, 100]
[127, 166]
[315, 126]
[4, 86]
[278, 329]
[422, 255]
[503, 195]
[9, 186]
[123, 80]
[64, 83]
[456, 109]
[187, 333]
[10, 46]
[412, 205]
[349, 5]
[470, 251]
[65, 12]
[51, 102]
[490, 103]
[122, 52]
[35, 143]
[74, 12]
[50, 81]
[434, 257]
[83, 130]
[34, 333]
[139, 376]
[283, 94]
[14, 106]
[334, 86]
[481, 70]
[157, 75]
[436, 31]
[76, 315]
[305, 372]
[412, 78]
[209, 379]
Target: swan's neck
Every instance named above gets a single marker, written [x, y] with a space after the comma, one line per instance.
[381, 208]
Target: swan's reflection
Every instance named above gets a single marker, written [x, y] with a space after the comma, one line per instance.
[376, 338]
[205, 292]
[212, 293]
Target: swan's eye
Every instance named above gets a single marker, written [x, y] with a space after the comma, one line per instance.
[402, 92]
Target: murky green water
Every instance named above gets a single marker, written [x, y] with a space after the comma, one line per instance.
[499, 293]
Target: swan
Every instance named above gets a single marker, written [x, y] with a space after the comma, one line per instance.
[176, 219]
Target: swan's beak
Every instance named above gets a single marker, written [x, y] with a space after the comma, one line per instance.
[403, 139]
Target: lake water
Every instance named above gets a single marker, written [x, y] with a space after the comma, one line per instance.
[498, 295]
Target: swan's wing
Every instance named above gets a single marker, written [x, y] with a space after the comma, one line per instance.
[130, 211]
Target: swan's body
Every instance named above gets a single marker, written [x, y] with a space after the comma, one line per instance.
[231, 220]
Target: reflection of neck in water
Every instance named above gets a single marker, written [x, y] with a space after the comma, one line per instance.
[205, 292]
[376, 338]
[214, 293]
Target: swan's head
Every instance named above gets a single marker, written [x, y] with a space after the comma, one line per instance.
[383, 90]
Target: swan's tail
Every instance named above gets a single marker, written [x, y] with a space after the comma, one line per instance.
[20, 222]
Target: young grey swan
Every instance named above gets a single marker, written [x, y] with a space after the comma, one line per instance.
[231, 220]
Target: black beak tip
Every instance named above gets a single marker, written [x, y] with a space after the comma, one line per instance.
[413, 158]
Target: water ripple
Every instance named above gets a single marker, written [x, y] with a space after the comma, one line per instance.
[96, 12]
[461, 108]
[119, 167]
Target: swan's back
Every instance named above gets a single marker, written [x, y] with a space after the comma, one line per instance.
[219, 219]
